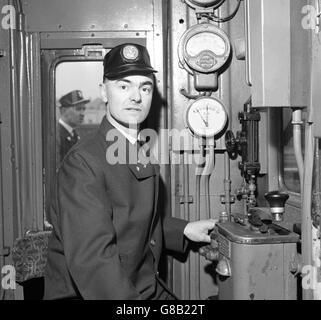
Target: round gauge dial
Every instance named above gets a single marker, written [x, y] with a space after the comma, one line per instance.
[204, 3]
[204, 48]
[206, 117]
[206, 41]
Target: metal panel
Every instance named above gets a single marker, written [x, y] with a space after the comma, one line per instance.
[75, 40]
[233, 93]
[300, 57]
[270, 52]
[6, 183]
[259, 272]
[94, 15]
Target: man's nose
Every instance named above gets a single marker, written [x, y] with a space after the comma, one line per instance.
[136, 96]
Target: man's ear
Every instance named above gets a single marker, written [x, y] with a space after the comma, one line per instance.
[103, 92]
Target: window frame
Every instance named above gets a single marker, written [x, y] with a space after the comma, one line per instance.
[49, 119]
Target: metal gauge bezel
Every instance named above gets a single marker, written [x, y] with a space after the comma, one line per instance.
[206, 61]
[198, 4]
[209, 133]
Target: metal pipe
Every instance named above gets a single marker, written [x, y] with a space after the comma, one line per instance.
[207, 196]
[15, 128]
[306, 205]
[186, 217]
[31, 135]
[207, 172]
[318, 188]
[2, 239]
[23, 147]
[225, 96]
[317, 180]
[227, 185]
[248, 71]
[297, 123]
[18, 5]
[198, 174]
[198, 217]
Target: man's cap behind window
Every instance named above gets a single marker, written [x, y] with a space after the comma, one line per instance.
[73, 98]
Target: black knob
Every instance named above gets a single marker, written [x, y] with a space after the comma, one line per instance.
[230, 142]
[277, 201]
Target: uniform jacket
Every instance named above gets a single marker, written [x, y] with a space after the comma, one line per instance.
[108, 235]
[65, 141]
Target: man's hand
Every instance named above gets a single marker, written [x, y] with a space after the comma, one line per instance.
[198, 231]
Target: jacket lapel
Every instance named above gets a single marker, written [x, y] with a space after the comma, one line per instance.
[127, 153]
[151, 169]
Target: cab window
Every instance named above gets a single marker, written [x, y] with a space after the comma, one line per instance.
[290, 169]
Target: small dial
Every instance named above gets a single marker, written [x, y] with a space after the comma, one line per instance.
[206, 117]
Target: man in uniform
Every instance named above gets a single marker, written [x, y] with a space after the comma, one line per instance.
[108, 236]
[72, 109]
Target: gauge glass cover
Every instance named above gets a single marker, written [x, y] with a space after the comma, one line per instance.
[205, 41]
[206, 117]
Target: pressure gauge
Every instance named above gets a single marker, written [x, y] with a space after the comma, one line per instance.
[195, 4]
[206, 117]
[204, 48]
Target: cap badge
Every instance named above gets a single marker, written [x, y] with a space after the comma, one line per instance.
[130, 52]
[80, 96]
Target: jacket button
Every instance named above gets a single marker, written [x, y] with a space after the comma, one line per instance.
[152, 242]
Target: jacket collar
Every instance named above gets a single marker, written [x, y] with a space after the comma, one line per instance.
[140, 171]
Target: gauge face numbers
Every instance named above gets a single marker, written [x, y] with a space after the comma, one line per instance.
[206, 117]
[206, 41]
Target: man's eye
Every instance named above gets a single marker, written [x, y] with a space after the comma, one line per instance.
[147, 89]
[124, 87]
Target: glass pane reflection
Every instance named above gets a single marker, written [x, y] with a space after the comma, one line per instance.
[79, 106]
[290, 169]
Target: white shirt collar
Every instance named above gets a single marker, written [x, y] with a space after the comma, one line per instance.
[131, 137]
[66, 126]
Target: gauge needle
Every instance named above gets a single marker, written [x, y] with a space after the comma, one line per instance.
[207, 114]
[206, 123]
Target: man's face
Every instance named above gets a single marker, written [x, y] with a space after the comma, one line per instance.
[129, 98]
[74, 116]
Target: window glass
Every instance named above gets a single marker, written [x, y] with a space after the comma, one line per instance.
[80, 108]
[290, 169]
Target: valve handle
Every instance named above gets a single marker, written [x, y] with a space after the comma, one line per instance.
[230, 142]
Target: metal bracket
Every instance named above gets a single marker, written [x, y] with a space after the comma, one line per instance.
[223, 199]
[94, 51]
[5, 252]
[182, 200]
